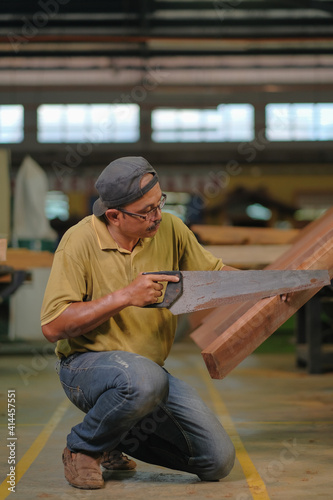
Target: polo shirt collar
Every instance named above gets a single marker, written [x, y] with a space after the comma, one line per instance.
[105, 240]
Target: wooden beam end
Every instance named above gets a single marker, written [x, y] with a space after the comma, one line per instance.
[3, 249]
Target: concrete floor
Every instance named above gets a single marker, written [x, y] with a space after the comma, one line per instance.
[279, 417]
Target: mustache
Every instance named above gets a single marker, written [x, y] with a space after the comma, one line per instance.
[156, 223]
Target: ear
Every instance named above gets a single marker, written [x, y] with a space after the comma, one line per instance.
[112, 216]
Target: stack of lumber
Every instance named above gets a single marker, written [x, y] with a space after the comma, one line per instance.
[245, 247]
[232, 235]
[230, 333]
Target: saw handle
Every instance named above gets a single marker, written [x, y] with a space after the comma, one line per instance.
[173, 290]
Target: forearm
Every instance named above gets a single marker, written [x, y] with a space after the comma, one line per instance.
[229, 268]
[82, 317]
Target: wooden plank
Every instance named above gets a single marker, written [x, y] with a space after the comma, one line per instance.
[307, 243]
[220, 318]
[209, 336]
[6, 278]
[261, 320]
[232, 235]
[3, 249]
[23, 258]
[195, 319]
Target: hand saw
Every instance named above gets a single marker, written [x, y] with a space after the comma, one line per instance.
[197, 290]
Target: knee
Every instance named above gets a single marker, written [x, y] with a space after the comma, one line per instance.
[149, 393]
[220, 465]
[225, 464]
[146, 384]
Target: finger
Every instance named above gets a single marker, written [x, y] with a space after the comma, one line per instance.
[165, 277]
[157, 287]
[285, 297]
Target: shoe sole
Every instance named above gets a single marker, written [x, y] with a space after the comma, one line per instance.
[86, 487]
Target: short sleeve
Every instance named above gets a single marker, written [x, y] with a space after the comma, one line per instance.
[66, 284]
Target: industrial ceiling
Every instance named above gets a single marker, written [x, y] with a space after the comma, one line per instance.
[167, 53]
[196, 42]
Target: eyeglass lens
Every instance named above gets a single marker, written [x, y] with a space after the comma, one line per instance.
[161, 204]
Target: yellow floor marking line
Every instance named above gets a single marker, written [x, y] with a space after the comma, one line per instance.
[32, 453]
[255, 482]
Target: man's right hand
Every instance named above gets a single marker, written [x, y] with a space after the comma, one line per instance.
[147, 289]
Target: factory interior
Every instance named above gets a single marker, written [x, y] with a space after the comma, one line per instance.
[231, 101]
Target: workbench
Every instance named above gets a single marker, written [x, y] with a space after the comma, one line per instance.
[23, 280]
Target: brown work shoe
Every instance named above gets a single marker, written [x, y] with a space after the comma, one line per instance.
[115, 460]
[83, 471]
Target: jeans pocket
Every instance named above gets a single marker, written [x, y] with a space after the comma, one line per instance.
[76, 396]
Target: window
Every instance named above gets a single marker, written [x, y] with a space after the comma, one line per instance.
[299, 122]
[228, 122]
[94, 123]
[56, 205]
[11, 123]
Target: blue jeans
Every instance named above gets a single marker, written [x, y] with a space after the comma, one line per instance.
[135, 406]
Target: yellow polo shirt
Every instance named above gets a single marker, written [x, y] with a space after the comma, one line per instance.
[88, 264]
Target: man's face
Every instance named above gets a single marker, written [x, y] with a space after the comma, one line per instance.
[133, 226]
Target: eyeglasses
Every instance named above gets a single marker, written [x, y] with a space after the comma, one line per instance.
[149, 215]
